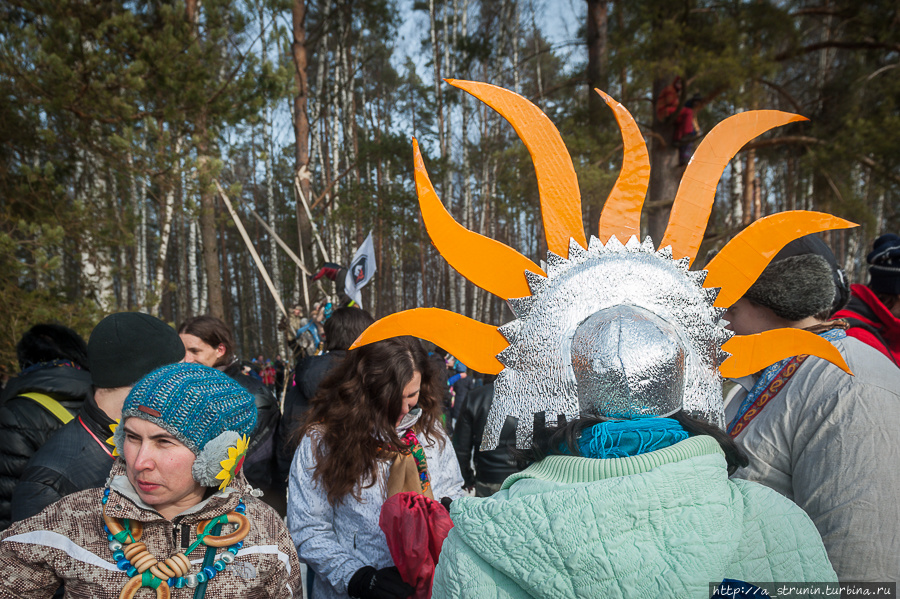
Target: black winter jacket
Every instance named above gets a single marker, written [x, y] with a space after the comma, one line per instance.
[490, 466]
[76, 458]
[461, 390]
[260, 466]
[25, 425]
[308, 374]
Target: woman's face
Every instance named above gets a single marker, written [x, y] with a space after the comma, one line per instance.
[199, 351]
[410, 395]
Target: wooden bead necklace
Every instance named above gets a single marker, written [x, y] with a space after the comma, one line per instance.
[144, 570]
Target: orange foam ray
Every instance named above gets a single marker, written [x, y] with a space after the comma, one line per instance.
[474, 343]
[622, 212]
[752, 353]
[697, 191]
[557, 182]
[493, 266]
[740, 262]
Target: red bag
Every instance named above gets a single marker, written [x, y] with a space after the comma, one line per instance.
[415, 528]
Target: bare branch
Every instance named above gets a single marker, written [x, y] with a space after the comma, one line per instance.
[814, 141]
[833, 186]
[330, 185]
[862, 45]
[784, 93]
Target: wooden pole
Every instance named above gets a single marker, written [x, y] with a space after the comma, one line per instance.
[281, 242]
[259, 264]
[309, 216]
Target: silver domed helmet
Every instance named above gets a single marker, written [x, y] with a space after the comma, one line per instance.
[628, 363]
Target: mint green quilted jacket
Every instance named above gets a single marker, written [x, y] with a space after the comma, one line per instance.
[661, 524]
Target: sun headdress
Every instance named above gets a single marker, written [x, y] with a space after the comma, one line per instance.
[622, 330]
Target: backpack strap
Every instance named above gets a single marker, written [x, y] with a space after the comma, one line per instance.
[50, 404]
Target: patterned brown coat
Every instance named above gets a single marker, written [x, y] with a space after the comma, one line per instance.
[66, 543]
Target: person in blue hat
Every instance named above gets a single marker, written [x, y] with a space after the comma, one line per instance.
[176, 514]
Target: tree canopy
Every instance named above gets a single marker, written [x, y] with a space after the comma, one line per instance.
[118, 119]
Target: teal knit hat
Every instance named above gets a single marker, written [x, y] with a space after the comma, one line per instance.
[203, 408]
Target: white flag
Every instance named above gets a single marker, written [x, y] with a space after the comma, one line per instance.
[361, 270]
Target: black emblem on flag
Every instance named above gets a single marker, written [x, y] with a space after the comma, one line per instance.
[359, 270]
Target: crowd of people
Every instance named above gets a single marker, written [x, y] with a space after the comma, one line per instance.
[154, 457]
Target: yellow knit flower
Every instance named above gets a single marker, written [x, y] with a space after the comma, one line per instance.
[112, 439]
[232, 465]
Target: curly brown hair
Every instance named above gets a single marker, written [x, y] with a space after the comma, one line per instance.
[356, 408]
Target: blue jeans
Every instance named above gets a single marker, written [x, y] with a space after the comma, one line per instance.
[312, 329]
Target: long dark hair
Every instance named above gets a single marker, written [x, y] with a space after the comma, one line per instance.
[550, 440]
[344, 326]
[355, 411]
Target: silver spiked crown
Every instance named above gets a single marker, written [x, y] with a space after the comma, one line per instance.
[663, 317]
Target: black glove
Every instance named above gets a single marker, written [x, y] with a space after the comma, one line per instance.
[369, 583]
[446, 501]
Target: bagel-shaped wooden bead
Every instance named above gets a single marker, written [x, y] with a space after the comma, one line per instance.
[168, 570]
[179, 563]
[136, 556]
[134, 585]
[137, 529]
[231, 538]
[115, 526]
[170, 565]
[140, 557]
[133, 549]
[161, 571]
[143, 562]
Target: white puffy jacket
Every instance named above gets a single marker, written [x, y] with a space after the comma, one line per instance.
[337, 541]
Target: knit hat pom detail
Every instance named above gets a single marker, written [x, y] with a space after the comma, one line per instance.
[208, 464]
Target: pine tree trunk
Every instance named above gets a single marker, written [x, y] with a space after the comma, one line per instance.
[301, 126]
[138, 192]
[207, 199]
[275, 265]
[228, 302]
[165, 231]
[208, 235]
[422, 262]
[597, 71]
[179, 275]
[193, 282]
[665, 174]
[466, 291]
[749, 195]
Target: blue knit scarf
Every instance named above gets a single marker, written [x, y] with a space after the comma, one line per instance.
[624, 438]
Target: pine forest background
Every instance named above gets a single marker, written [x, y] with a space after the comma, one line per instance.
[118, 118]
